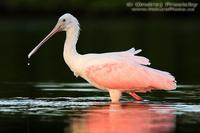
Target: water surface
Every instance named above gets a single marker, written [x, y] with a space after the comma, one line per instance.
[80, 108]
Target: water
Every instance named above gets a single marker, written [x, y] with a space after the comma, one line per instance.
[80, 108]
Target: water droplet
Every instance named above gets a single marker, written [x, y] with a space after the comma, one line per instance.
[28, 62]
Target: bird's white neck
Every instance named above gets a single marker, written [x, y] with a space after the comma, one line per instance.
[71, 40]
[70, 54]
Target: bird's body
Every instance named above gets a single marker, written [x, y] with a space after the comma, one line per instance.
[116, 72]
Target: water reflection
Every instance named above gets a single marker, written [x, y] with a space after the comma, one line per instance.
[129, 118]
[79, 108]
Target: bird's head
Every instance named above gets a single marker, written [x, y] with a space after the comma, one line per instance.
[65, 23]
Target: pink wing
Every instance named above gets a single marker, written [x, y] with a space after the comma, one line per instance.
[133, 75]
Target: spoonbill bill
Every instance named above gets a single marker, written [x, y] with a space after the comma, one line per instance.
[116, 72]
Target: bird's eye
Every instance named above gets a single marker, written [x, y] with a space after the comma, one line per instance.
[63, 20]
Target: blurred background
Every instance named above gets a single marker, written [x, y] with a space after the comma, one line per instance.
[169, 39]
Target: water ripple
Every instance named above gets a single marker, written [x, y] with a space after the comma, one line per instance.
[58, 99]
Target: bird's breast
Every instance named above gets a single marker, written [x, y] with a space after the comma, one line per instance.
[74, 64]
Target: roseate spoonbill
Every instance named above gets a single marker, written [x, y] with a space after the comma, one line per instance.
[115, 72]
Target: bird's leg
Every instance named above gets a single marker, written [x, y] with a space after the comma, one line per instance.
[135, 96]
[115, 95]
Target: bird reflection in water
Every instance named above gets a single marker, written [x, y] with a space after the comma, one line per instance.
[126, 118]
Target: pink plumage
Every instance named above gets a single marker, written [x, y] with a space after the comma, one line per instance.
[129, 77]
[128, 73]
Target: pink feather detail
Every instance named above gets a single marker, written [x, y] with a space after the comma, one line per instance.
[126, 76]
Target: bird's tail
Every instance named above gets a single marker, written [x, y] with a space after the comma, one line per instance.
[162, 80]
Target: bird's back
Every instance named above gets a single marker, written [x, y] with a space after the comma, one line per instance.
[126, 71]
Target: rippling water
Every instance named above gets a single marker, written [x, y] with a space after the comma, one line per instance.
[80, 108]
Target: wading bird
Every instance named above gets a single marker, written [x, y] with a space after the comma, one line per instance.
[116, 72]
